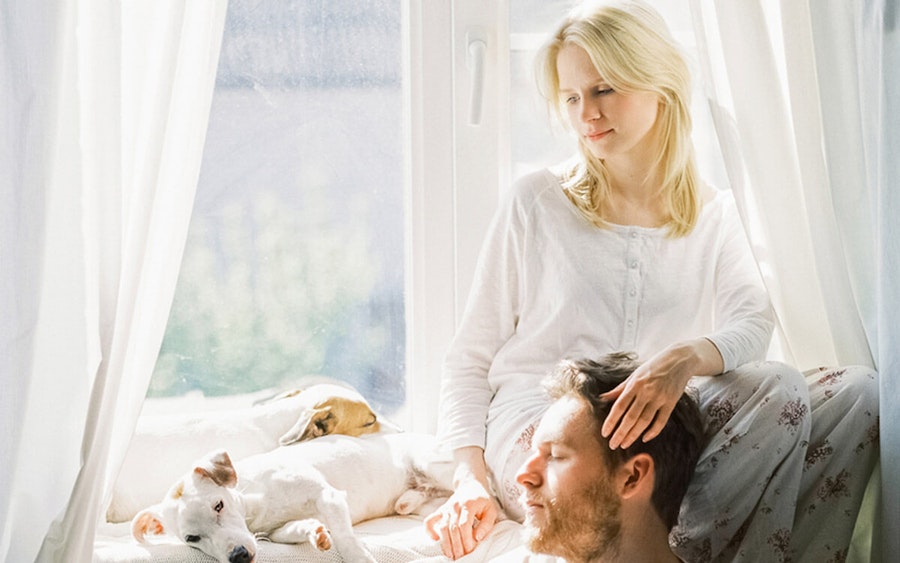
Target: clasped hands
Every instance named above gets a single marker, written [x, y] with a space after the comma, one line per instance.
[464, 520]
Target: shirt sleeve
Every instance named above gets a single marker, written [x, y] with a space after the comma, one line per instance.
[744, 319]
[489, 320]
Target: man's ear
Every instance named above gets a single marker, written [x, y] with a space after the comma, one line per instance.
[636, 477]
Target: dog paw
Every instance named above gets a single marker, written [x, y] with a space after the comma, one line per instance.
[408, 502]
[322, 539]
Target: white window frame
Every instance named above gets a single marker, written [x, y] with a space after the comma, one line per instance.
[456, 172]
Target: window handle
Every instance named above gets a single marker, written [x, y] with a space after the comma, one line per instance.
[475, 52]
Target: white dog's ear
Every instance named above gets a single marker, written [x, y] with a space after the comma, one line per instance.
[217, 467]
[144, 522]
[311, 424]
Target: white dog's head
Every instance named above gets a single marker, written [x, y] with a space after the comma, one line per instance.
[203, 510]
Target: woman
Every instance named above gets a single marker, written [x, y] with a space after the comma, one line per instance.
[625, 248]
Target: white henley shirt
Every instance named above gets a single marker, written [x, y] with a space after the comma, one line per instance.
[549, 285]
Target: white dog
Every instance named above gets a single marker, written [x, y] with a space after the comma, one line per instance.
[314, 491]
[163, 445]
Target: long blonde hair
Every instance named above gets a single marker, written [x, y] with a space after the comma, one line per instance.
[631, 47]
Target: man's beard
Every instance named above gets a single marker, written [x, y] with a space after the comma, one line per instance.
[581, 526]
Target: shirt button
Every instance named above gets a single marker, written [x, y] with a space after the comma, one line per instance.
[633, 234]
[634, 264]
[633, 292]
[630, 323]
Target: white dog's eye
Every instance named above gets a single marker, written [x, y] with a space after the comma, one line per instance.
[191, 538]
[219, 506]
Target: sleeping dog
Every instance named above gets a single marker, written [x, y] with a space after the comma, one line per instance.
[162, 446]
[310, 492]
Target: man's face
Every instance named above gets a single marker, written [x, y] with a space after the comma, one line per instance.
[571, 508]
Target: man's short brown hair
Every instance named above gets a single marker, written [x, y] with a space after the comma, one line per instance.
[675, 450]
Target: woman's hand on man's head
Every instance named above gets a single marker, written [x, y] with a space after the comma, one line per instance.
[646, 399]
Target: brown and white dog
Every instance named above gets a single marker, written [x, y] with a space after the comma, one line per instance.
[163, 445]
[308, 492]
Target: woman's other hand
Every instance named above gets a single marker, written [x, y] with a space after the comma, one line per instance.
[645, 400]
[469, 515]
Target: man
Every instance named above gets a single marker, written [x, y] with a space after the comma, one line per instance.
[588, 503]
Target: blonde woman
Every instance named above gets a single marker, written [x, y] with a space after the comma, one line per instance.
[625, 248]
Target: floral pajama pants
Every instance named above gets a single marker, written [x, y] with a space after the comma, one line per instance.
[781, 479]
[786, 464]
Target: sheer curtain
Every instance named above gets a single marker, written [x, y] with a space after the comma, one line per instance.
[804, 96]
[104, 119]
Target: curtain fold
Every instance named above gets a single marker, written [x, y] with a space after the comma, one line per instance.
[770, 127]
[805, 122]
[884, 17]
[827, 109]
[34, 351]
[161, 67]
[127, 88]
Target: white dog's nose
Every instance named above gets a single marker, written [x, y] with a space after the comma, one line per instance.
[240, 555]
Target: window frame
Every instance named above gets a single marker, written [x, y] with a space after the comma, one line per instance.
[457, 172]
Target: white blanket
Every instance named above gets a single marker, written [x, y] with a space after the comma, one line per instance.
[395, 539]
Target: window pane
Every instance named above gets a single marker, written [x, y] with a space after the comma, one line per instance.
[293, 269]
[537, 16]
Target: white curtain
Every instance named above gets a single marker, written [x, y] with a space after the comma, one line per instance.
[104, 114]
[804, 96]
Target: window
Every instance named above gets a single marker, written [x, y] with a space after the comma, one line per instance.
[344, 193]
[293, 271]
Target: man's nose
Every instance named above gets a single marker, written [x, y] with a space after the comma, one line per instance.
[530, 474]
